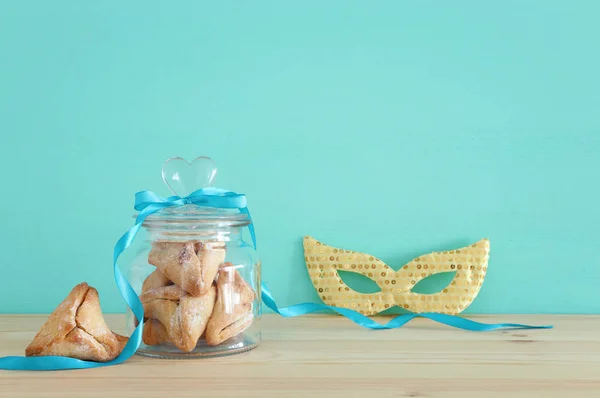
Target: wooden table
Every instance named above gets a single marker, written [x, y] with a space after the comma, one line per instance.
[326, 356]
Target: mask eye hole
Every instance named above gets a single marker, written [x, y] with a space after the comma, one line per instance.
[434, 283]
[358, 282]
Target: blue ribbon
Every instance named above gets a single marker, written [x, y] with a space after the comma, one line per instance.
[147, 203]
[397, 322]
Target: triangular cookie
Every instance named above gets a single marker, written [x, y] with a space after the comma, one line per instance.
[233, 310]
[191, 265]
[184, 317]
[77, 329]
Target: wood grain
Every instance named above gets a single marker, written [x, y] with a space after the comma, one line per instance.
[327, 356]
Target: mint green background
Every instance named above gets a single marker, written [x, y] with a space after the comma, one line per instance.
[392, 127]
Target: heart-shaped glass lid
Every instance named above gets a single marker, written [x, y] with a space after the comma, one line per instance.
[182, 178]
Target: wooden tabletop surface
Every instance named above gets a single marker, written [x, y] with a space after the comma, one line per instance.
[327, 356]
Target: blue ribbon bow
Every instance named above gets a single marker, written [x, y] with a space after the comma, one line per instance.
[147, 203]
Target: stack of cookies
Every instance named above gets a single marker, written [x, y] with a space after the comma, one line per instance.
[192, 294]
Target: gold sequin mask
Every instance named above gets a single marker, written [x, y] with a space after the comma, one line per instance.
[469, 264]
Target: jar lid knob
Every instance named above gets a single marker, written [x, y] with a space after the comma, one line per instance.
[183, 177]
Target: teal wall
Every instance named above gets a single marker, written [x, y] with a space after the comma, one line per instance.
[392, 127]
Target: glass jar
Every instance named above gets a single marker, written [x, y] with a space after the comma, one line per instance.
[199, 282]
